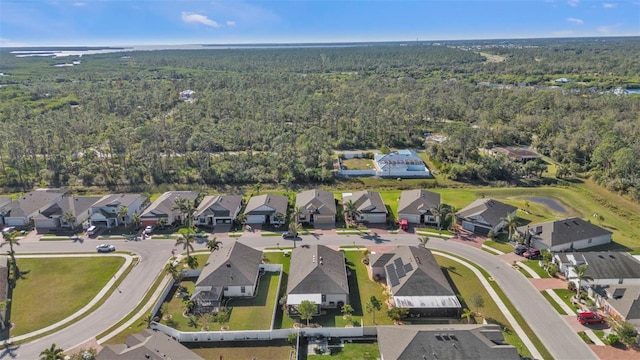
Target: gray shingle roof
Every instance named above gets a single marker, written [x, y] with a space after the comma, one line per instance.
[625, 299]
[148, 345]
[417, 202]
[163, 206]
[117, 200]
[486, 211]
[451, 342]
[366, 201]
[609, 264]
[319, 201]
[278, 203]
[75, 204]
[423, 274]
[26, 205]
[317, 269]
[565, 231]
[219, 205]
[236, 265]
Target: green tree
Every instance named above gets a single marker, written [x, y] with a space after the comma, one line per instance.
[468, 314]
[187, 209]
[397, 314]
[176, 273]
[161, 223]
[627, 333]
[69, 218]
[192, 262]
[148, 319]
[11, 238]
[256, 187]
[214, 244]
[580, 271]
[511, 224]
[351, 211]
[442, 212]
[123, 212]
[307, 309]
[347, 310]
[372, 306]
[186, 239]
[85, 354]
[135, 219]
[52, 353]
[477, 301]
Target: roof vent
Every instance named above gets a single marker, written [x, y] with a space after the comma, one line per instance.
[228, 265]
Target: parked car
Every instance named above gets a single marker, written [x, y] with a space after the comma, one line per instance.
[289, 235]
[8, 229]
[149, 229]
[105, 248]
[532, 253]
[520, 249]
[588, 317]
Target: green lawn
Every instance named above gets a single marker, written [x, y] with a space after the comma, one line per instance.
[69, 284]
[553, 303]
[255, 313]
[354, 351]
[359, 164]
[466, 283]
[231, 350]
[362, 288]
[535, 266]
[566, 295]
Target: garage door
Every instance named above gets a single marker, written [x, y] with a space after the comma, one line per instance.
[323, 219]
[377, 218]
[468, 226]
[255, 219]
[414, 219]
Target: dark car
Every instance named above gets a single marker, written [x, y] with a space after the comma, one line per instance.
[532, 253]
[589, 317]
[289, 235]
[520, 249]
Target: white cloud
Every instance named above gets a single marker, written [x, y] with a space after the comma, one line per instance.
[573, 3]
[609, 5]
[231, 23]
[191, 18]
[575, 21]
[80, 3]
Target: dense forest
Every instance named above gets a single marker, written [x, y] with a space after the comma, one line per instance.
[266, 115]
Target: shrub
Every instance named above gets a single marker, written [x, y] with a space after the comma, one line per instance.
[553, 270]
[611, 339]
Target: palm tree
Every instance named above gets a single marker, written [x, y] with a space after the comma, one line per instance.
[441, 212]
[135, 219]
[187, 209]
[186, 239]
[123, 211]
[453, 225]
[423, 240]
[52, 353]
[175, 272]
[214, 244]
[192, 262]
[466, 313]
[510, 223]
[351, 210]
[257, 187]
[580, 271]
[162, 222]
[11, 238]
[241, 218]
[70, 219]
[148, 319]
[279, 217]
[347, 310]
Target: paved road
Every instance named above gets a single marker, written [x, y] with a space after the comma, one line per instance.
[560, 340]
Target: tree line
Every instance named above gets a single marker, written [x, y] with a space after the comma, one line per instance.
[276, 115]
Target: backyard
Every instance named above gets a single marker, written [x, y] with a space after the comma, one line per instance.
[72, 281]
[358, 164]
[275, 349]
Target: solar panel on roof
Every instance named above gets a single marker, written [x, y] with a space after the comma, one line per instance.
[393, 276]
[399, 267]
[407, 267]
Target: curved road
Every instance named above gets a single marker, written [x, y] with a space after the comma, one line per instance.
[561, 341]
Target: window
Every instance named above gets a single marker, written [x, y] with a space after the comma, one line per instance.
[226, 288]
[324, 298]
[590, 241]
[242, 289]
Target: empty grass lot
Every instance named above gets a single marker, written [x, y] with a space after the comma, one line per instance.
[68, 283]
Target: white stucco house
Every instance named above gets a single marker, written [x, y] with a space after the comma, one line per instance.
[106, 211]
[561, 235]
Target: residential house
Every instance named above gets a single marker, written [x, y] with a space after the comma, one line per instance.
[604, 267]
[147, 345]
[319, 274]
[451, 342]
[4, 200]
[20, 212]
[54, 217]
[316, 207]
[163, 208]
[416, 282]
[186, 94]
[484, 215]
[369, 204]
[218, 209]
[619, 301]
[567, 234]
[520, 154]
[229, 272]
[416, 206]
[106, 212]
[266, 209]
[401, 163]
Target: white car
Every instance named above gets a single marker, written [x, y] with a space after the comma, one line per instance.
[105, 248]
[149, 229]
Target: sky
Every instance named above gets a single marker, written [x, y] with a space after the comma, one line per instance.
[139, 22]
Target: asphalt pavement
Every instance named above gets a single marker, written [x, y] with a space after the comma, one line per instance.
[560, 340]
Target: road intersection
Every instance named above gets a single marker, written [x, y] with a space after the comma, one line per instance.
[551, 329]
